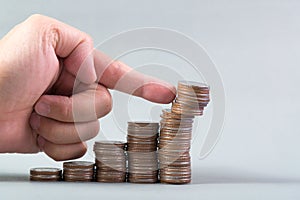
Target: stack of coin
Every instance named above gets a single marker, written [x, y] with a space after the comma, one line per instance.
[45, 174]
[176, 131]
[142, 152]
[110, 161]
[174, 145]
[191, 98]
[78, 171]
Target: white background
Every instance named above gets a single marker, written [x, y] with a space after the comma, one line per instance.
[255, 45]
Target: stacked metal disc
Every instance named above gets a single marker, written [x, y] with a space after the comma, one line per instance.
[174, 145]
[191, 98]
[78, 171]
[45, 174]
[110, 161]
[176, 132]
[142, 152]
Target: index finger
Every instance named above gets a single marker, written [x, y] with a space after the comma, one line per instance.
[117, 75]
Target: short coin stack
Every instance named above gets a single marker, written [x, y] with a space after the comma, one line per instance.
[191, 98]
[142, 152]
[176, 132]
[78, 171]
[110, 161]
[45, 174]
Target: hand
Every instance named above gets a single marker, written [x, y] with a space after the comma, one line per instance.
[50, 79]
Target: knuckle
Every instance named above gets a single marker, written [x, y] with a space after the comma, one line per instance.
[89, 131]
[45, 27]
[89, 39]
[82, 149]
[55, 155]
[35, 21]
[66, 109]
[111, 72]
[46, 128]
[96, 128]
[115, 67]
[106, 103]
[61, 154]
[56, 158]
[35, 17]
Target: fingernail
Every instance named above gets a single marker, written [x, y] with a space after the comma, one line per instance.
[41, 142]
[170, 87]
[35, 121]
[42, 108]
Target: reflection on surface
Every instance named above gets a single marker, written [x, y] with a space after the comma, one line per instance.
[203, 176]
[222, 175]
[9, 177]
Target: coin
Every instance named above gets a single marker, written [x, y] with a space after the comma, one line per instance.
[45, 174]
[78, 171]
[174, 145]
[153, 150]
[78, 165]
[180, 174]
[191, 98]
[110, 161]
[145, 177]
[176, 131]
[142, 152]
[192, 85]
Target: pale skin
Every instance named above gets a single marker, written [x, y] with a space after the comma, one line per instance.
[41, 89]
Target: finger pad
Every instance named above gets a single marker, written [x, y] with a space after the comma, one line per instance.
[158, 93]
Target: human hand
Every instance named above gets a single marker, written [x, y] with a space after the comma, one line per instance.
[50, 79]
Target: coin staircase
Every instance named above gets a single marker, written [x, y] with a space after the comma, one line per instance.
[153, 153]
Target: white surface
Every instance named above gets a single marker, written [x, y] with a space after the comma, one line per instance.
[255, 45]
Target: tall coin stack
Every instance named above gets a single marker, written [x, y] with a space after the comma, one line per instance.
[176, 132]
[78, 171]
[110, 161]
[142, 152]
